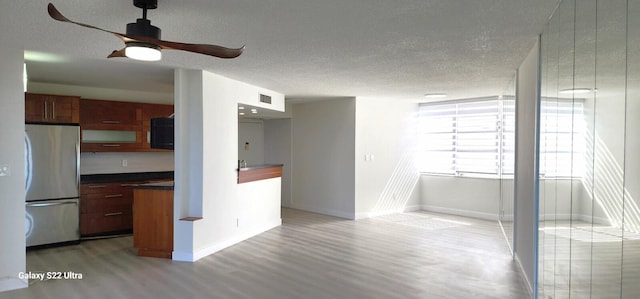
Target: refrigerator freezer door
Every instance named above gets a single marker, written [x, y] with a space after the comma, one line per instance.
[52, 161]
[52, 221]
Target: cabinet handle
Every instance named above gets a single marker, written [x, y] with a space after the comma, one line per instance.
[148, 136]
[111, 122]
[128, 185]
[97, 186]
[113, 195]
[46, 110]
[110, 145]
[112, 214]
[53, 110]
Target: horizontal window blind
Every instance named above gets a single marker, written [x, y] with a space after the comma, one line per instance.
[460, 137]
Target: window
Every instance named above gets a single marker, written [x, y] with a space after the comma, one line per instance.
[562, 138]
[461, 137]
[478, 137]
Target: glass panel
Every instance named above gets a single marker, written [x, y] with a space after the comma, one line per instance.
[631, 221]
[582, 160]
[549, 69]
[609, 149]
[589, 241]
[507, 146]
[559, 126]
[108, 136]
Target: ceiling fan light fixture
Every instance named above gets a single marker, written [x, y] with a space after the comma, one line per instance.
[143, 51]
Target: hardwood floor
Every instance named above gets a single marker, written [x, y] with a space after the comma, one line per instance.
[410, 255]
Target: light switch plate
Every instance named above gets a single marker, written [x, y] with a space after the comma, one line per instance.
[5, 170]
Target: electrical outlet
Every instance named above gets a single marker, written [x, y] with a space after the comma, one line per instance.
[125, 163]
[5, 170]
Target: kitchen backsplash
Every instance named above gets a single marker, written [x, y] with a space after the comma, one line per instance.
[96, 163]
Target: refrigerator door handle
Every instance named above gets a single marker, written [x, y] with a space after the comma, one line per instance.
[49, 204]
[78, 161]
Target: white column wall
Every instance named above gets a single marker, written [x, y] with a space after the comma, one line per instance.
[526, 222]
[12, 195]
[206, 163]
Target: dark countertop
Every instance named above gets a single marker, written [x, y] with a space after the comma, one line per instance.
[254, 167]
[124, 177]
[156, 186]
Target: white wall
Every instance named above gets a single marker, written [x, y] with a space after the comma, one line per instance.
[465, 196]
[526, 224]
[251, 131]
[12, 211]
[323, 174]
[206, 162]
[386, 180]
[277, 150]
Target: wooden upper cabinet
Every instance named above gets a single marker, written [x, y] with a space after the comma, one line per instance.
[113, 126]
[106, 115]
[110, 126]
[150, 111]
[44, 108]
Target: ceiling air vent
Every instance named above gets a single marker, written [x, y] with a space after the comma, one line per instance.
[265, 99]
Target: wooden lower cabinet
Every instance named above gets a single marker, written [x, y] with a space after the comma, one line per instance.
[100, 223]
[153, 222]
[105, 208]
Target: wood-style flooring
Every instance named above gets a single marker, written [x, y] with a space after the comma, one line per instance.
[409, 255]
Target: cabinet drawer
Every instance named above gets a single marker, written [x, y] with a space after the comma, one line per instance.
[107, 188]
[94, 223]
[98, 203]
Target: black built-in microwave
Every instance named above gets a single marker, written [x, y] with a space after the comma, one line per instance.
[162, 133]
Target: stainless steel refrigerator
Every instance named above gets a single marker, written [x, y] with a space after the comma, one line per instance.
[52, 168]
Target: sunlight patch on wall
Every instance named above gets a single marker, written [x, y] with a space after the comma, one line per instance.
[399, 187]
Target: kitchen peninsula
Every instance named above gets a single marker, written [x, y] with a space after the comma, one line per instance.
[259, 172]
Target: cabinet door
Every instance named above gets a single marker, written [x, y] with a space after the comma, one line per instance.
[64, 109]
[51, 108]
[150, 111]
[34, 107]
[110, 126]
[110, 115]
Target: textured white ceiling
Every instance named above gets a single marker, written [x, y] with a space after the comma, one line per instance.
[366, 48]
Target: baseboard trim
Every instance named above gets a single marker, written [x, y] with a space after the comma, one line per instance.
[12, 283]
[524, 275]
[406, 209]
[335, 213]
[465, 213]
[198, 254]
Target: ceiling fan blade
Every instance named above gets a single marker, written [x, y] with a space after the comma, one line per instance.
[56, 15]
[211, 50]
[117, 53]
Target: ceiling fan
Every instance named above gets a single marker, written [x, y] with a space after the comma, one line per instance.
[142, 40]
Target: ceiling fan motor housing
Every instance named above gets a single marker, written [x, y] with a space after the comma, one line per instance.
[148, 4]
[143, 27]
